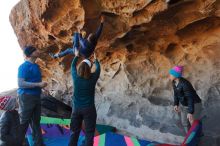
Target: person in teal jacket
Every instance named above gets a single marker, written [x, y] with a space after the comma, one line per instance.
[83, 99]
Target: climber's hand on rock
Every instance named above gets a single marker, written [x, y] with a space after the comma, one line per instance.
[94, 56]
[190, 118]
[102, 19]
[54, 56]
[78, 30]
[176, 108]
[76, 52]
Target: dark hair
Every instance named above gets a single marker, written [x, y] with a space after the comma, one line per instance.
[28, 50]
[84, 70]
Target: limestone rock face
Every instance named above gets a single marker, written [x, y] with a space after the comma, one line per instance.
[141, 41]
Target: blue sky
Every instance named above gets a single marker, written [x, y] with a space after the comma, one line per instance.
[10, 52]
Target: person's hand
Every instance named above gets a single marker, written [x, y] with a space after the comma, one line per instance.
[102, 19]
[78, 30]
[94, 56]
[42, 84]
[190, 118]
[76, 52]
[54, 56]
[176, 108]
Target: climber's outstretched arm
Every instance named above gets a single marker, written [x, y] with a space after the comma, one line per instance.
[99, 30]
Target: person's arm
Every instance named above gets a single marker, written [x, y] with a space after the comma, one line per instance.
[99, 31]
[74, 62]
[176, 99]
[98, 68]
[190, 105]
[5, 125]
[22, 73]
[188, 93]
[23, 84]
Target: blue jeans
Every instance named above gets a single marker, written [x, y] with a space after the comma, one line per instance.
[76, 40]
[66, 52]
[85, 47]
[71, 50]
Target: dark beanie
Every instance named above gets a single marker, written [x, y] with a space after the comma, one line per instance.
[29, 50]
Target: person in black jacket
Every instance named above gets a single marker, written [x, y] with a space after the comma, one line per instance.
[9, 123]
[185, 94]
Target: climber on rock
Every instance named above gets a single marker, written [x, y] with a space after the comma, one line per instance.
[185, 94]
[86, 45]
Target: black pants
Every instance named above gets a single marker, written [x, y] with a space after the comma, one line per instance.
[88, 115]
[29, 112]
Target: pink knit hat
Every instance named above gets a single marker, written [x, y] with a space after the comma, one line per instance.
[176, 71]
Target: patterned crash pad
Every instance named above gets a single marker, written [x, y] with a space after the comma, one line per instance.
[113, 139]
[192, 137]
[56, 132]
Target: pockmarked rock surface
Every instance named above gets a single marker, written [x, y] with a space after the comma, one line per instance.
[140, 42]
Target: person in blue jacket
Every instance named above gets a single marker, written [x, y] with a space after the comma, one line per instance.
[30, 85]
[86, 46]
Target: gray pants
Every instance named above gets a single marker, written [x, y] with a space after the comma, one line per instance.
[196, 115]
[30, 112]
